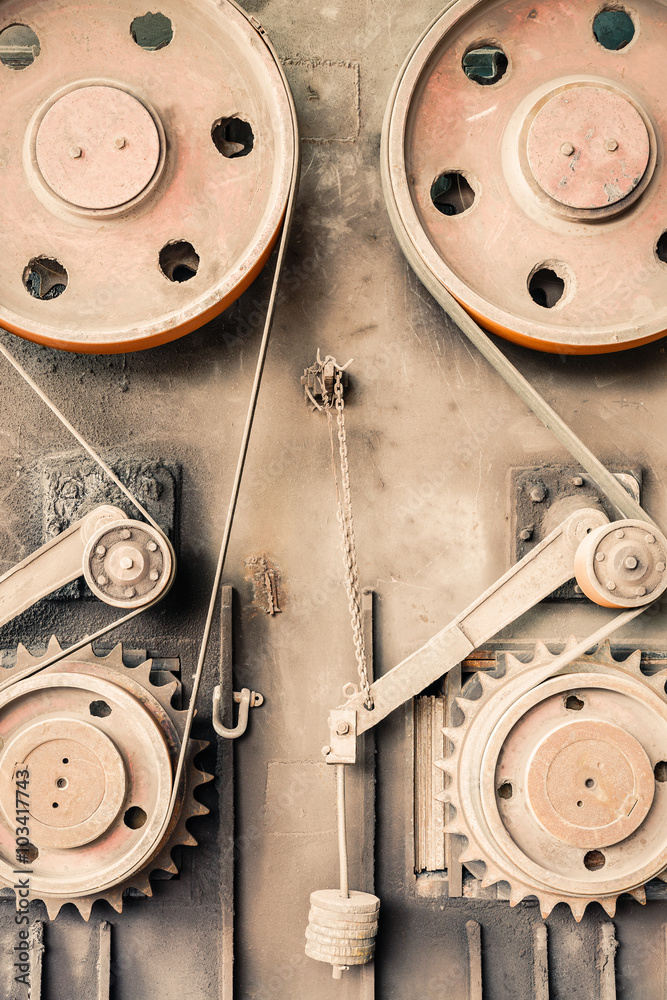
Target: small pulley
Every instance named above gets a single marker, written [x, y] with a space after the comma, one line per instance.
[342, 923]
[146, 166]
[527, 179]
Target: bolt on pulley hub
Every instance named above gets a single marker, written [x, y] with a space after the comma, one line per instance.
[532, 188]
[143, 180]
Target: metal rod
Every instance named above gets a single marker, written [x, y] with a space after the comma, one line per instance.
[79, 437]
[342, 831]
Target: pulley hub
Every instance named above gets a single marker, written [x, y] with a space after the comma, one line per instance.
[588, 147]
[98, 148]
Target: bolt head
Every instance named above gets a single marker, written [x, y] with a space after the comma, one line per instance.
[129, 592]
[526, 534]
[342, 729]
[126, 534]
[538, 493]
[154, 575]
[126, 563]
[660, 567]
[100, 550]
[640, 591]
[631, 563]
[151, 546]
[567, 149]
[600, 557]
[620, 533]
[75, 152]
[577, 481]
[611, 145]
[611, 585]
[102, 581]
[650, 540]
[120, 143]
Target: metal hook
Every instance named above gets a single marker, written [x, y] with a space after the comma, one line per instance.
[245, 699]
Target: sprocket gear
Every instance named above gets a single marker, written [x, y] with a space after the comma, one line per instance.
[99, 741]
[560, 787]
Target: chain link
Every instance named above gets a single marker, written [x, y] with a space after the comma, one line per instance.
[346, 522]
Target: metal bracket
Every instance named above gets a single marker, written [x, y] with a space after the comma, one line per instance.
[245, 699]
[343, 736]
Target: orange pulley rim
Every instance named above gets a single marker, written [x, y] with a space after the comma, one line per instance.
[146, 163]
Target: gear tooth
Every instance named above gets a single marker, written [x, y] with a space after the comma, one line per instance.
[516, 895]
[53, 646]
[115, 898]
[578, 907]
[570, 644]
[467, 854]
[23, 656]
[188, 840]
[662, 876]
[54, 906]
[451, 733]
[541, 654]
[512, 664]
[200, 809]
[634, 662]
[491, 878]
[639, 894]
[84, 905]
[608, 904]
[443, 764]
[603, 652]
[115, 657]
[442, 796]
[547, 904]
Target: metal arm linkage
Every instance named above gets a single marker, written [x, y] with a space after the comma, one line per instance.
[549, 565]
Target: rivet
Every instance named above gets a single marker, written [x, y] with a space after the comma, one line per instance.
[611, 145]
[577, 589]
[649, 539]
[600, 557]
[129, 592]
[611, 585]
[326, 751]
[154, 575]
[631, 563]
[151, 546]
[620, 533]
[660, 567]
[75, 152]
[100, 550]
[526, 534]
[567, 149]
[120, 143]
[640, 591]
[102, 581]
[538, 493]
[125, 534]
[577, 481]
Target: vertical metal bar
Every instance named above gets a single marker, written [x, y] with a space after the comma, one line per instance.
[474, 936]
[606, 962]
[540, 963]
[342, 832]
[227, 828]
[452, 840]
[104, 962]
[366, 745]
[36, 951]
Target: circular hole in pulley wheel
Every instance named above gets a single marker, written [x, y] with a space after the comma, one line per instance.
[109, 160]
[567, 168]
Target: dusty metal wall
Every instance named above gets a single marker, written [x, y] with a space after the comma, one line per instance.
[433, 434]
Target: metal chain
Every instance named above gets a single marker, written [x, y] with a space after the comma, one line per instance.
[346, 522]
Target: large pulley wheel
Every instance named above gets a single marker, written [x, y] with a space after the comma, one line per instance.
[145, 167]
[524, 174]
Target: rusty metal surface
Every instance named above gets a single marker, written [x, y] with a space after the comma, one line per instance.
[537, 209]
[108, 149]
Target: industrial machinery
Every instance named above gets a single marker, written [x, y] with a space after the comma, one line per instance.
[488, 807]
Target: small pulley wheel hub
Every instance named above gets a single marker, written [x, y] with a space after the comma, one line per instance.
[129, 564]
[525, 177]
[623, 564]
